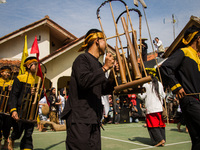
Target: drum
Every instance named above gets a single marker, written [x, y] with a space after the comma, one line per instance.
[45, 109]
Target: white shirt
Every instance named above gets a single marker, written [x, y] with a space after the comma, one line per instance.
[61, 107]
[42, 101]
[152, 102]
[159, 46]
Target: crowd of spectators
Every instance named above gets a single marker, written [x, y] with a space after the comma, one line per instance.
[119, 106]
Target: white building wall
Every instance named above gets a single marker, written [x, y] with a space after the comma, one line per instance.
[12, 49]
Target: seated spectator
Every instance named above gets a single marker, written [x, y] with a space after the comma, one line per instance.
[133, 113]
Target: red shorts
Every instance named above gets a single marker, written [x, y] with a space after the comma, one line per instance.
[155, 120]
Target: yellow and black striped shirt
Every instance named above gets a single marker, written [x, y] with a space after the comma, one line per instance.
[182, 70]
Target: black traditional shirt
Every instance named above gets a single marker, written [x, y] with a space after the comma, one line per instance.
[182, 70]
[53, 100]
[21, 89]
[88, 83]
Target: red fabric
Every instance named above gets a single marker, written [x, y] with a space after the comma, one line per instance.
[132, 98]
[35, 50]
[155, 120]
[134, 102]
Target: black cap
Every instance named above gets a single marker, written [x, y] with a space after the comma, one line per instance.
[29, 58]
[5, 68]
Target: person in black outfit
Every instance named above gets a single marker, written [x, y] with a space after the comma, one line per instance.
[181, 71]
[144, 49]
[23, 86]
[53, 106]
[83, 110]
[5, 119]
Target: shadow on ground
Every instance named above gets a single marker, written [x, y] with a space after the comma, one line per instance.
[143, 140]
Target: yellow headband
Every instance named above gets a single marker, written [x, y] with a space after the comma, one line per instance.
[91, 37]
[29, 62]
[189, 38]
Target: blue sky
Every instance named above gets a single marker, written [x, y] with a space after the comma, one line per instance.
[78, 16]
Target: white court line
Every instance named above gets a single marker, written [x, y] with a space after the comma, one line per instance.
[146, 146]
[48, 132]
[164, 146]
[178, 143]
[124, 141]
[132, 126]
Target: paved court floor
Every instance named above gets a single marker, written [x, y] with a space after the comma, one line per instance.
[127, 136]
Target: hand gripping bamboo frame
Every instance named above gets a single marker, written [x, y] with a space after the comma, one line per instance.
[131, 83]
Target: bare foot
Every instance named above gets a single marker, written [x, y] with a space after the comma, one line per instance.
[10, 145]
[186, 129]
[160, 143]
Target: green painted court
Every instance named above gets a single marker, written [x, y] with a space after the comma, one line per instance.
[127, 136]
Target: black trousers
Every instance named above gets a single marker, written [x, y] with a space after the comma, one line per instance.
[18, 128]
[190, 107]
[157, 134]
[5, 125]
[117, 118]
[81, 136]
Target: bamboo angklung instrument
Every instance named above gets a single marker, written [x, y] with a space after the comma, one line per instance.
[4, 105]
[129, 81]
[34, 111]
[29, 106]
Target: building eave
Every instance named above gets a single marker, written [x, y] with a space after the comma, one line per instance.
[44, 21]
[62, 50]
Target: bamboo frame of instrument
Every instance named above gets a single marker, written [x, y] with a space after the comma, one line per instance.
[111, 37]
[135, 40]
[133, 84]
[133, 49]
[38, 99]
[132, 91]
[134, 64]
[4, 105]
[32, 111]
[119, 39]
[107, 48]
[22, 113]
[121, 67]
[30, 100]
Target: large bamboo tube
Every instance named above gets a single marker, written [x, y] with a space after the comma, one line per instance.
[121, 66]
[134, 63]
[133, 84]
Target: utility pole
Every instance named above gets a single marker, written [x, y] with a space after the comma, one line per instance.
[173, 21]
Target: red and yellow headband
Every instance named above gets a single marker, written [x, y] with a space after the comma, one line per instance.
[189, 38]
[91, 37]
[29, 62]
